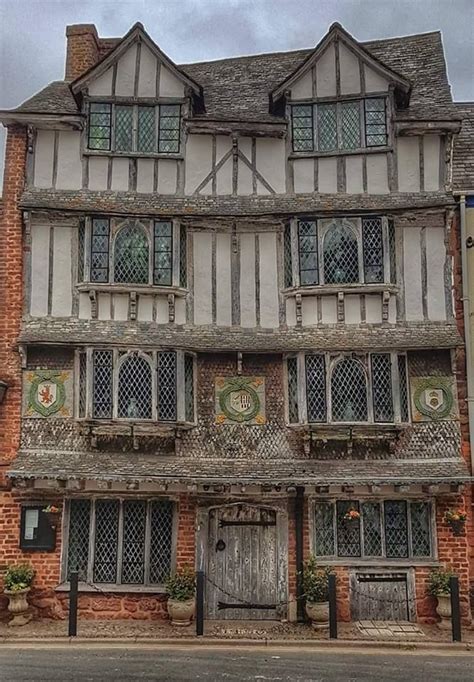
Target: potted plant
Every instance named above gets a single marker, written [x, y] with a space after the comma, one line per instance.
[181, 589]
[53, 514]
[17, 583]
[456, 519]
[438, 586]
[316, 591]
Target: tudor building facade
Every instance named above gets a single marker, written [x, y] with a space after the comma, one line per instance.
[228, 327]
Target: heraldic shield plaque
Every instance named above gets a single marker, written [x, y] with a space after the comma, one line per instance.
[240, 400]
[433, 398]
[47, 393]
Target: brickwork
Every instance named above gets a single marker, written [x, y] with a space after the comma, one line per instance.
[83, 49]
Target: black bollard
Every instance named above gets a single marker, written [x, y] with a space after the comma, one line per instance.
[332, 606]
[455, 608]
[199, 603]
[73, 594]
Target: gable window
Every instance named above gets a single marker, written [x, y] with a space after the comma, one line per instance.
[392, 529]
[134, 128]
[133, 252]
[120, 542]
[136, 385]
[347, 388]
[339, 126]
[340, 251]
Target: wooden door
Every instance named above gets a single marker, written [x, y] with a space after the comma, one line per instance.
[380, 596]
[242, 567]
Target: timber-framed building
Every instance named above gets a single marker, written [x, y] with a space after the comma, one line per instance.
[228, 327]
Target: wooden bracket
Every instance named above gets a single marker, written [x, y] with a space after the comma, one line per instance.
[93, 300]
[340, 306]
[171, 308]
[133, 305]
[299, 310]
[385, 305]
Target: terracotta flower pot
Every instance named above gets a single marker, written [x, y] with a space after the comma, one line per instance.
[18, 606]
[318, 612]
[443, 610]
[181, 612]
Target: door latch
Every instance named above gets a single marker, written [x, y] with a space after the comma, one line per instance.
[220, 546]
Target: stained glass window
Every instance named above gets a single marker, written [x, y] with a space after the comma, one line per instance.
[100, 236]
[316, 388]
[302, 127]
[375, 122]
[163, 253]
[341, 255]
[349, 391]
[100, 124]
[372, 244]
[134, 388]
[169, 128]
[131, 256]
[308, 251]
[123, 128]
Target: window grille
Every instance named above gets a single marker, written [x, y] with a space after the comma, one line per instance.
[382, 387]
[341, 255]
[134, 388]
[396, 528]
[100, 124]
[302, 127]
[316, 388]
[79, 530]
[81, 240]
[82, 384]
[372, 528]
[375, 122]
[163, 253]
[106, 541]
[403, 387]
[123, 128]
[131, 256]
[100, 236]
[102, 384]
[308, 252]
[183, 256]
[161, 538]
[372, 244]
[324, 529]
[287, 257]
[327, 127]
[189, 388]
[348, 532]
[292, 372]
[350, 125]
[146, 129]
[168, 129]
[420, 513]
[167, 386]
[133, 544]
[392, 251]
[349, 391]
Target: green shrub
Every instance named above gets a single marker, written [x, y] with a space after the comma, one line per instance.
[181, 585]
[439, 582]
[315, 581]
[18, 577]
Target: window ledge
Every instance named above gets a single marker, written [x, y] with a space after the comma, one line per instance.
[125, 427]
[377, 562]
[99, 588]
[128, 288]
[177, 156]
[341, 152]
[350, 432]
[334, 289]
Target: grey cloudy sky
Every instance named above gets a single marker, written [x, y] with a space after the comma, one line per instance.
[32, 40]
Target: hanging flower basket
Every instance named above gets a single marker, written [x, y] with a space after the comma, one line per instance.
[456, 520]
[53, 514]
[351, 517]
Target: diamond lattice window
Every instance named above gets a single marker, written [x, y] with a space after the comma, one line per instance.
[287, 257]
[403, 387]
[100, 236]
[375, 122]
[341, 255]
[349, 391]
[292, 373]
[100, 125]
[131, 256]
[163, 253]
[146, 129]
[102, 384]
[133, 544]
[183, 256]
[392, 251]
[396, 528]
[168, 131]
[420, 513]
[82, 384]
[382, 387]
[348, 532]
[79, 529]
[324, 529]
[372, 244]
[135, 388]
[350, 125]
[327, 127]
[189, 388]
[161, 539]
[81, 242]
[106, 541]
[302, 127]
[167, 386]
[372, 528]
[123, 128]
[316, 388]
[308, 251]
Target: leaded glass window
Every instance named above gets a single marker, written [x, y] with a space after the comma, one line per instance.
[168, 130]
[131, 256]
[102, 384]
[81, 242]
[348, 532]
[341, 255]
[135, 388]
[382, 387]
[292, 374]
[302, 127]
[392, 251]
[372, 528]
[327, 127]
[316, 388]
[167, 386]
[375, 122]
[350, 125]
[183, 256]
[82, 384]
[420, 513]
[133, 542]
[287, 257]
[349, 391]
[403, 387]
[189, 387]
[308, 252]
[161, 536]
[372, 244]
[123, 128]
[396, 528]
[106, 541]
[100, 125]
[324, 529]
[100, 237]
[163, 253]
[79, 528]
[146, 129]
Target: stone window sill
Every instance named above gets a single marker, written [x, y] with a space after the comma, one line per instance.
[334, 289]
[341, 152]
[126, 427]
[128, 288]
[377, 562]
[355, 431]
[178, 156]
[98, 589]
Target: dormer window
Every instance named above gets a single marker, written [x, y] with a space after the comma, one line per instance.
[339, 126]
[125, 128]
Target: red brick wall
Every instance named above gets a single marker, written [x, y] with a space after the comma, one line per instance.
[83, 50]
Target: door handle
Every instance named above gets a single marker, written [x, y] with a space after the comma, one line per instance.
[220, 546]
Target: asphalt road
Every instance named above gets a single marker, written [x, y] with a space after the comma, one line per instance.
[69, 664]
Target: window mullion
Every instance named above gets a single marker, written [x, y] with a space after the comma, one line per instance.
[395, 387]
[154, 386]
[115, 382]
[91, 558]
[386, 250]
[315, 128]
[362, 124]
[90, 382]
[319, 243]
[329, 368]
[112, 129]
[175, 253]
[302, 407]
[147, 543]
[135, 128]
[338, 125]
[370, 396]
[120, 543]
[180, 394]
[360, 250]
[87, 248]
[361, 531]
[295, 258]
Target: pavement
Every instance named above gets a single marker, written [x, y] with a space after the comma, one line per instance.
[37, 663]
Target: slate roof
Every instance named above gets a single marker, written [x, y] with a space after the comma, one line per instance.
[238, 88]
[463, 159]
[153, 468]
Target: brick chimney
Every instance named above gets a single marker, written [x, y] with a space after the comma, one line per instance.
[82, 49]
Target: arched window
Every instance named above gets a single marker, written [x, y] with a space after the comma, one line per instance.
[131, 256]
[349, 391]
[341, 255]
[135, 388]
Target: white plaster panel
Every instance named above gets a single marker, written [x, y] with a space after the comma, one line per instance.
[261, 189]
[309, 310]
[180, 310]
[147, 75]
[268, 280]
[374, 82]
[145, 172]
[327, 175]
[392, 309]
[248, 317]
[98, 173]
[207, 189]
[349, 71]
[170, 86]
[44, 152]
[198, 160]
[326, 73]
[352, 309]
[121, 306]
[303, 173]
[61, 301]
[145, 308]
[408, 164]
[271, 158]
[167, 176]
[125, 83]
[431, 151]
[224, 178]
[303, 87]
[102, 85]
[354, 178]
[223, 285]
[39, 270]
[377, 174]
[412, 271]
[84, 307]
[202, 248]
[291, 312]
[223, 146]
[244, 185]
[435, 258]
[328, 309]
[69, 160]
[103, 306]
[120, 174]
[162, 310]
[245, 146]
[373, 309]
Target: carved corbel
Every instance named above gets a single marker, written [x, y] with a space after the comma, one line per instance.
[133, 305]
[171, 308]
[340, 306]
[239, 362]
[93, 300]
[385, 305]
[299, 310]
[30, 137]
[23, 355]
